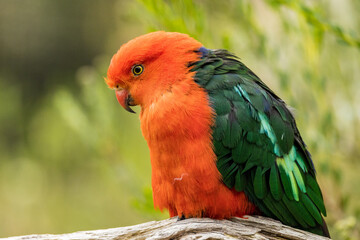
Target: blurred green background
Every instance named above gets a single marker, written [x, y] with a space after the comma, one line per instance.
[72, 159]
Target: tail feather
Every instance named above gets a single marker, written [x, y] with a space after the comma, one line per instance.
[325, 229]
[320, 229]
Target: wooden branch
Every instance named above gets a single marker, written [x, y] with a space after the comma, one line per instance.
[251, 227]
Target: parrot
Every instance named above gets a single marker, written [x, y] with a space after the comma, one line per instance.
[222, 143]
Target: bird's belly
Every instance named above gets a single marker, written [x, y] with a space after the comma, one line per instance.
[192, 193]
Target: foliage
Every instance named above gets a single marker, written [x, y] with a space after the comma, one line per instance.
[72, 159]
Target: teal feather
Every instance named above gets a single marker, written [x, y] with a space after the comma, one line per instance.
[299, 178]
[288, 180]
[289, 163]
[283, 132]
[301, 162]
[241, 92]
[266, 127]
[292, 153]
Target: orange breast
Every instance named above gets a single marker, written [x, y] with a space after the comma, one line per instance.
[185, 179]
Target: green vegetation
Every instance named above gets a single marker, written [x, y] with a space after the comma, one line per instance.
[72, 159]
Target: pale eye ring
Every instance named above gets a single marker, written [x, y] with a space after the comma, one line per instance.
[137, 69]
[117, 87]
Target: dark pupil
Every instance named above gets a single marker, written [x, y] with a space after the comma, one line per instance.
[137, 70]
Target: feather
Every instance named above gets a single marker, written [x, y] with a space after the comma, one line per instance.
[282, 130]
[233, 130]
[220, 127]
[310, 206]
[259, 182]
[220, 149]
[242, 151]
[317, 200]
[240, 181]
[288, 180]
[280, 210]
[302, 216]
[220, 104]
[228, 174]
[257, 143]
[299, 178]
[275, 184]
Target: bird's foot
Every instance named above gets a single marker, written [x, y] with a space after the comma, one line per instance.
[182, 217]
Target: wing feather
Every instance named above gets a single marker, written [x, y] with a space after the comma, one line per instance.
[258, 146]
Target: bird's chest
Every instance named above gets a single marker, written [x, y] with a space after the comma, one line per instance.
[177, 134]
[179, 138]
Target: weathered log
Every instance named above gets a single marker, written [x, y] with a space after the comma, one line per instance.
[250, 227]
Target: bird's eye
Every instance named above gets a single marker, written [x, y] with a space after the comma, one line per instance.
[137, 69]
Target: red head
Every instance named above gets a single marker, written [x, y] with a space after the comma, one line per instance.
[146, 67]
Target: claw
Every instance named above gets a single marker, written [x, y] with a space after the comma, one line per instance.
[181, 218]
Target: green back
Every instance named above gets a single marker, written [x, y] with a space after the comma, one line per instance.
[258, 146]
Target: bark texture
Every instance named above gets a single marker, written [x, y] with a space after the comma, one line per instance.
[251, 227]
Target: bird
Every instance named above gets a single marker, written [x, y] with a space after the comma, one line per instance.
[222, 143]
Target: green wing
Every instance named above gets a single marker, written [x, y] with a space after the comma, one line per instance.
[257, 143]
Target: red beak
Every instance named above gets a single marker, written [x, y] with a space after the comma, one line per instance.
[125, 99]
